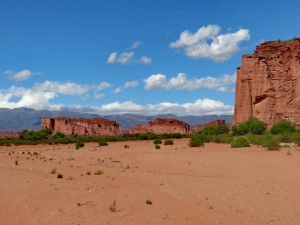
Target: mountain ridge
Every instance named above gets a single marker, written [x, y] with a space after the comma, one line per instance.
[30, 119]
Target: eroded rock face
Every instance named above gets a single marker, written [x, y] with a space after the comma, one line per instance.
[268, 83]
[81, 126]
[161, 126]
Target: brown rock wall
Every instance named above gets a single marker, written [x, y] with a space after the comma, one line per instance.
[161, 126]
[268, 83]
[69, 126]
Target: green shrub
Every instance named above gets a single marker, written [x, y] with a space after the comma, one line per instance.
[215, 129]
[286, 137]
[58, 135]
[197, 140]
[240, 142]
[252, 125]
[102, 142]
[282, 126]
[222, 138]
[168, 142]
[79, 144]
[271, 143]
[157, 141]
[256, 139]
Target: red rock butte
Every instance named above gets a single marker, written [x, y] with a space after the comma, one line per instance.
[81, 126]
[161, 126]
[268, 83]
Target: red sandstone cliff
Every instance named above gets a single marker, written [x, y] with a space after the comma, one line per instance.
[161, 126]
[81, 126]
[268, 83]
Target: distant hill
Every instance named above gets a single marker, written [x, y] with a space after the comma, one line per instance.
[23, 118]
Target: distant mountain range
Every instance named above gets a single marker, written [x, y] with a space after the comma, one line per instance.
[24, 118]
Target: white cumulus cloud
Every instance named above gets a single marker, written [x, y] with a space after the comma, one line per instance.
[207, 42]
[129, 84]
[181, 82]
[21, 75]
[103, 85]
[145, 60]
[127, 58]
[68, 88]
[136, 44]
[199, 107]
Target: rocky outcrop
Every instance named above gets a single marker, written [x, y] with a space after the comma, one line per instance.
[268, 83]
[161, 126]
[81, 126]
[212, 123]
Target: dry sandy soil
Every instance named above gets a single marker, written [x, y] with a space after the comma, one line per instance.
[210, 185]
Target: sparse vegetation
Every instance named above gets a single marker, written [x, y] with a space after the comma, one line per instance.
[240, 142]
[99, 172]
[157, 141]
[79, 144]
[271, 143]
[53, 171]
[126, 146]
[197, 140]
[60, 176]
[157, 146]
[168, 142]
[102, 142]
[88, 173]
[113, 206]
[149, 202]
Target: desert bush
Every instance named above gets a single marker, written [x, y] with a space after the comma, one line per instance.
[79, 144]
[282, 126]
[149, 202]
[98, 172]
[256, 139]
[240, 142]
[102, 142]
[60, 176]
[157, 141]
[157, 146]
[168, 142]
[221, 138]
[271, 143]
[215, 130]
[251, 126]
[58, 135]
[197, 140]
[286, 137]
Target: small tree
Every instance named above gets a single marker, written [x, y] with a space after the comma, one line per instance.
[282, 126]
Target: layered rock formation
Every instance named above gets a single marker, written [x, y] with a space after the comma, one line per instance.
[268, 83]
[69, 126]
[161, 126]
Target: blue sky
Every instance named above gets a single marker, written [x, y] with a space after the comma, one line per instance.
[130, 56]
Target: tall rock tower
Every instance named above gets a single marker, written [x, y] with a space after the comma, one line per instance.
[268, 83]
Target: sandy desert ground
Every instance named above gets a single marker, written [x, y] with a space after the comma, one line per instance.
[210, 185]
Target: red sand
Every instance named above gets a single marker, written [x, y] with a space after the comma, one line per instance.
[210, 185]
